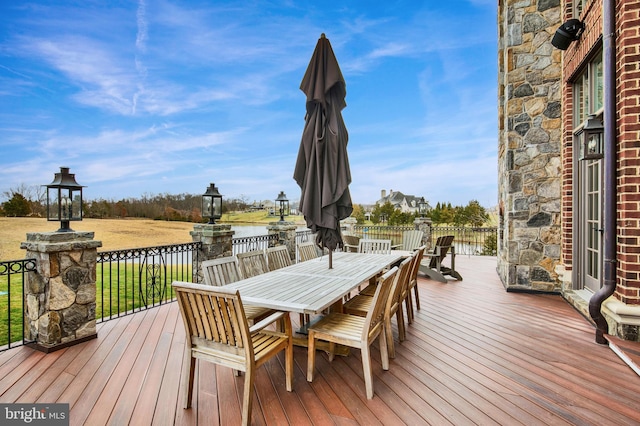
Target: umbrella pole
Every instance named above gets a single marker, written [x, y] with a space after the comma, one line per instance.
[330, 259]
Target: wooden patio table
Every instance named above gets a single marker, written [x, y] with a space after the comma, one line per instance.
[311, 287]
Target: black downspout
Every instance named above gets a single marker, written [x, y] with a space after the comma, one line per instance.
[610, 159]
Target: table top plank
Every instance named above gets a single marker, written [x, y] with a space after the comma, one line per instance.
[310, 287]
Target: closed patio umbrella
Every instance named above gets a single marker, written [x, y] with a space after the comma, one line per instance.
[322, 168]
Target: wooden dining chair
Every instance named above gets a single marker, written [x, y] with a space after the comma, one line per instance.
[351, 243]
[252, 263]
[224, 270]
[278, 257]
[307, 251]
[361, 305]
[374, 246]
[413, 283]
[356, 332]
[217, 331]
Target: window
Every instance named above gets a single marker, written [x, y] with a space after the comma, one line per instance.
[588, 91]
[577, 8]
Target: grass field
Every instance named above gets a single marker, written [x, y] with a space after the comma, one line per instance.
[115, 234]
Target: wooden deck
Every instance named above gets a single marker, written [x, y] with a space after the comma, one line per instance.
[475, 355]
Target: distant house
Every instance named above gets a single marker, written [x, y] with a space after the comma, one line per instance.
[406, 203]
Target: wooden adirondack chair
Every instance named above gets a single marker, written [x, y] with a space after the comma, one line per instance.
[411, 240]
[435, 269]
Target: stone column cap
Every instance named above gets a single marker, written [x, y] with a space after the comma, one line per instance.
[59, 241]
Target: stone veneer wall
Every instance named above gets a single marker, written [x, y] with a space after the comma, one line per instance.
[529, 143]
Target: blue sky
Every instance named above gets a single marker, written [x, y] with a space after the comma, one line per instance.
[159, 96]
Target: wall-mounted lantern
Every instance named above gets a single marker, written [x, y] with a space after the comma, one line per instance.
[212, 204]
[64, 199]
[422, 207]
[283, 204]
[591, 139]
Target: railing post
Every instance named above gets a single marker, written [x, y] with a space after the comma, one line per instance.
[424, 224]
[286, 232]
[215, 241]
[60, 296]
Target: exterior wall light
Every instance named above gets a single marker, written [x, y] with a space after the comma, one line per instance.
[283, 203]
[212, 204]
[568, 32]
[591, 139]
[64, 199]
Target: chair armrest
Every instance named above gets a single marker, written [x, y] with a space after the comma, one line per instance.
[396, 246]
[267, 321]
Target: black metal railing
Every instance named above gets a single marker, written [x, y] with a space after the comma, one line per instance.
[12, 279]
[377, 232]
[246, 244]
[469, 241]
[131, 280]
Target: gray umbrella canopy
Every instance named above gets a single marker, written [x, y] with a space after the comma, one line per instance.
[322, 169]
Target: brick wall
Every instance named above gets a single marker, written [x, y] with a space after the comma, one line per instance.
[628, 123]
[627, 40]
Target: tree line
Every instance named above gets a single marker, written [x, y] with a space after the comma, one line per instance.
[31, 201]
[444, 213]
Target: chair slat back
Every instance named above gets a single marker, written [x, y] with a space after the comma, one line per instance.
[307, 251]
[443, 244]
[375, 317]
[399, 287]
[351, 242]
[415, 266]
[278, 257]
[411, 240]
[214, 317]
[221, 271]
[374, 246]
[252, 263]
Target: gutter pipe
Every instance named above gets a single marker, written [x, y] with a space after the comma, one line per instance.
[610, 160]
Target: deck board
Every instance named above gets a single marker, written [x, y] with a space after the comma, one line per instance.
[475, 354]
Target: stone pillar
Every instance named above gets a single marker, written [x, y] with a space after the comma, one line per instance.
[216, 241]
[348, 225]
[529, 145]
[286, 232]
[60, 297]
[424, 224]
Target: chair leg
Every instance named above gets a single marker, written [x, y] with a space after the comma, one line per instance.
[402, 331]
[288, 354]
[311, 356]
[367, 370]
[384, 352]
[409, 301]
[188, 374]
[388, 337]
[415, 289]
[332, 351]
[247, 397]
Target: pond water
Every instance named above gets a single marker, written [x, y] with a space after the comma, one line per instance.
[254, 230]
